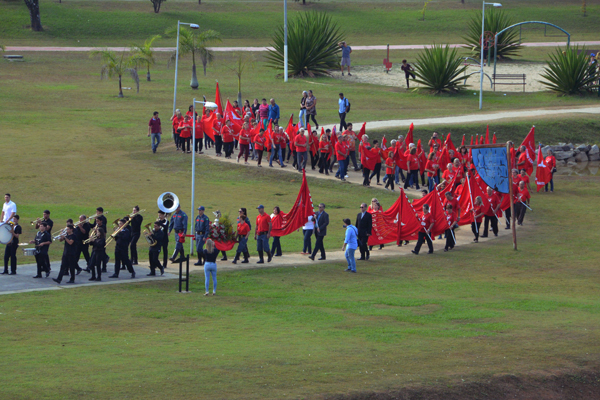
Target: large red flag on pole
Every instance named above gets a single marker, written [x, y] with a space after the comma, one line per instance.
[529, 143]
[218, 100]
[463, 141]
[298, 215]
[409, 136]
[487, 135]
[362, 130]
[494, 139]
[543, 175]
[395, 224]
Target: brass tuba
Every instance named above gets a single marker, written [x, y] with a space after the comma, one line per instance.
[168, 202]
[148, 235]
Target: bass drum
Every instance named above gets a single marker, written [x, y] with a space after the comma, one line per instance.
[5, 233]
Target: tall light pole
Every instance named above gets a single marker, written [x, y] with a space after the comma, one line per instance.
[193, 26]
[481, 45]
[285, 47]
[210, 106]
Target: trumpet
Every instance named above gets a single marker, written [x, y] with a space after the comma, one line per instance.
[148, 235]
[37, 221]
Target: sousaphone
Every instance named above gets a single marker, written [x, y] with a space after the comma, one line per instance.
[168, 202]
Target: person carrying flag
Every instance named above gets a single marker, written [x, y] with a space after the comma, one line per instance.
[427, 223]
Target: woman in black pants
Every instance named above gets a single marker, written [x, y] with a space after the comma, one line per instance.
[311, 108]
[413, 166]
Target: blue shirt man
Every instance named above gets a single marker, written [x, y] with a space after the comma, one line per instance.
[350, 244]
[201, 228]
[274, 112]
[179, 221]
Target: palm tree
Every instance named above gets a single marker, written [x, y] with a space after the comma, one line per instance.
[195, 44]
[242, 63]
[115, 66]
[144, 55]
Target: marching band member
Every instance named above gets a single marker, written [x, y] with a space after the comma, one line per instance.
[122, 240]
[10, 253]
[98, 253]
[135, 224]
[42, 242]
[82, 233]
[68, 257]
[164, 226]
[9, 209]
[154, 251]
[178, 222]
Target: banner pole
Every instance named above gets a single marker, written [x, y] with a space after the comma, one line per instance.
[510, 193]
[472, 204]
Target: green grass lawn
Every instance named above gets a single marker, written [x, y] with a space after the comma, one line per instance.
[252, 23]
[307, 331]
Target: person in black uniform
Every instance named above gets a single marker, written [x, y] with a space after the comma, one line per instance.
[164, 226]
[68, 258]
[154, 250]
[100, 217]
[49, 225]
[122, 240]
[364, 224]
[82, 232]
[11, 248]
[98, 254]
[136, 224]
[42, 242]
[320, 229]
[64, 259]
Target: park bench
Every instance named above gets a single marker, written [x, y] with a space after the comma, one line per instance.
[13, 58]
[508, 77]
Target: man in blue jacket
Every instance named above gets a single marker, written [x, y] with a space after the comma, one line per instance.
[274, 112]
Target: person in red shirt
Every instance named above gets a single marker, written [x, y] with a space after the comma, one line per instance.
[324, 152]
[185, 134]
[259, 144]
[435, 140]
[522, 199]
[390, 168]
[243, 232]
[190, 112]
[276, 147]
[301, 145]
[244, 143]
[432, 167]
[217, 127]
[277, 223]
[227, 137]
[524, 162]
[525, 178]
[463, 156]
[451, 217]
[377, 170]
[427, 223]
[262, 234]
[449, 173]
[477, 211]
[199, 138]
[493, 206]
[413, 166]
[341, 151]
[313, 149]
[551, 164]
[351, 140]
[176, 120]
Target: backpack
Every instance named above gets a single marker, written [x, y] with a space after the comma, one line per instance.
[348, 103]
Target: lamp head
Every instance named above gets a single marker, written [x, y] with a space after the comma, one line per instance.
[196, 26]
[496, 4]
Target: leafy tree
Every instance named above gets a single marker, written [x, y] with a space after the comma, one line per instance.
[195, 44]
[241, 65]
[439, 69]
[34, 14]
[113, 65]
[144, 55]
[495, 21]
[156, 4]
[312, 45]
[570, 72]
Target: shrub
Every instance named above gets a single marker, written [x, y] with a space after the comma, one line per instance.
[439, 69]
[495, 21]
[569, 72]
[312, 45]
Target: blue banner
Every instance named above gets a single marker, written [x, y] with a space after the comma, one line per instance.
[491, 165]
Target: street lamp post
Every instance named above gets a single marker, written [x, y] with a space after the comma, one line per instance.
[209, 105]
[481, 57]
[285, 46]
[193, 26]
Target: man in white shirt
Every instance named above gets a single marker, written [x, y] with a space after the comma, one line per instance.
[9, 209]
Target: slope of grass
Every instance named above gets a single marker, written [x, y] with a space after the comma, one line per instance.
[300, 332]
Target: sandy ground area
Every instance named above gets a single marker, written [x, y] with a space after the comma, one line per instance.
[375, 74]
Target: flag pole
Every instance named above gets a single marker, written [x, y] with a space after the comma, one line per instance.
[472, 203]
[510, 193]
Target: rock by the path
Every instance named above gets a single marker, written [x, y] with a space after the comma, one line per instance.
[564, 155]
[594, 157]
[594, 150]
[583, 148]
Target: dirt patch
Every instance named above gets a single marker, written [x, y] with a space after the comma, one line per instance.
[580, 385]
[375, 75]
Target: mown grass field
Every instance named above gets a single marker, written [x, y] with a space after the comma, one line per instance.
[95, 23]
[304, 332]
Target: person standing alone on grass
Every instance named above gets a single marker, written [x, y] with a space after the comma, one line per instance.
[344, 108]
[210, 266]
[346, 50]
[154, 131]
[350, 245]
[408, 72]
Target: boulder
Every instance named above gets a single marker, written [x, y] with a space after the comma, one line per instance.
[570, 145]
[594, 157]
[581, 157]
[583, 148]
[563, 155]
[594, 150]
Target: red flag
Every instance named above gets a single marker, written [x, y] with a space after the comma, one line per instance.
[529, 143]
[369, 158]
[444, 160]
[397, 223]
[470, 150]
[487, 135]
[422, 157]
[463, 141]
[298, 215]
[400, 158]
[448, 143]
[269, 135]
[471, 189]
[207, 125]
[384, 143]
[409, 136]
[218, 100]
[543, 175]
[362, 130]
[322, 133]
[435, 208]
[494, 139]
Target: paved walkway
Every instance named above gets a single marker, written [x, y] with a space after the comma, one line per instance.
[260, 49]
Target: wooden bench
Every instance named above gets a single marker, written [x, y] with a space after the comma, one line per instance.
[508, 77]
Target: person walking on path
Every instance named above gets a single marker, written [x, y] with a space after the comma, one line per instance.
[321, 222]
[408, 72]
[364, 224]
[154, 131]
[273, 112]
[311, 108]
[344, 108]
[210, 266]
[350, 245]
[302, 115]
[346, 50]
[262, 234]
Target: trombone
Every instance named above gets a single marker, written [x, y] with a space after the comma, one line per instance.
[116, 232]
